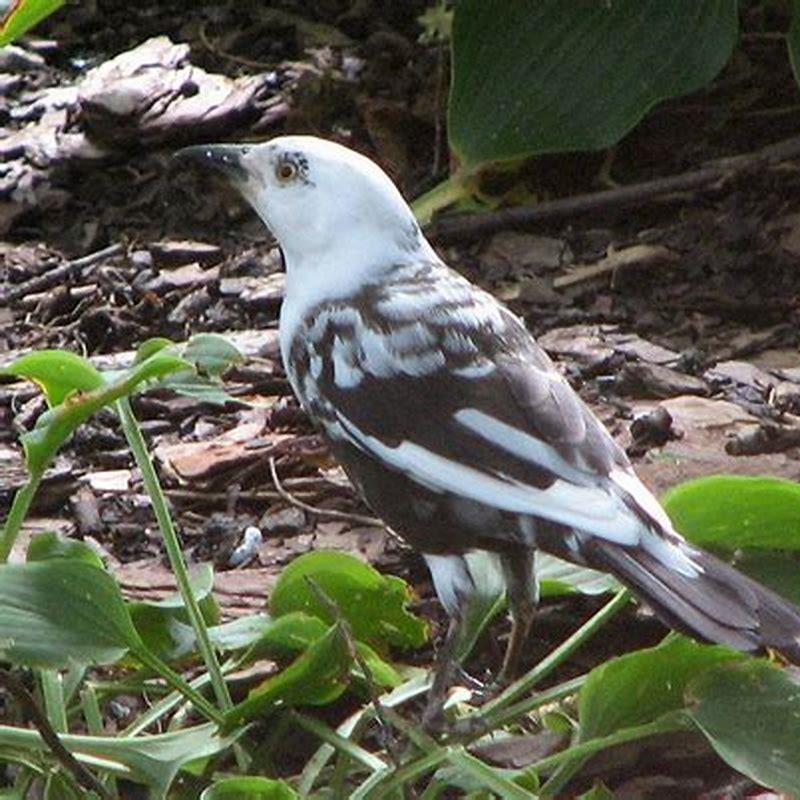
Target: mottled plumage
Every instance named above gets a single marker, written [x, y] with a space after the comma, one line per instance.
[452, 421]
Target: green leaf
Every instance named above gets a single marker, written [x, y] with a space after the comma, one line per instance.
[239, 633]
[152, 760]
[55, 426]
[58, 612]
[729, 512]
[558, 577]
[247, 787]
[150, 347]
[640, 687]
[47, 545]
[21, 15]
[552, 77]
[58, 373]
[598, 792]
[750, 712]
[164, 626]
[198, 387]
[373, 604]
[317, 677]
[211, 354]
[757, 519]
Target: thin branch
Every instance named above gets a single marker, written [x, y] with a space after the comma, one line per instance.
[14, 687]
[465, 226]
[329, 513]
[59, 274]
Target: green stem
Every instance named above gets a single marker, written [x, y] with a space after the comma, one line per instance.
[669, 723]
[16, 515]
[554, 659]
[140, 453]
[442, 195]
[179, 684]
[53, 696]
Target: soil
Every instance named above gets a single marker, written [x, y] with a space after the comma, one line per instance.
[677, 320]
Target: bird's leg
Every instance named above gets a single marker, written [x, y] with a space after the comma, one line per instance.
[445, 669]
[522, 589]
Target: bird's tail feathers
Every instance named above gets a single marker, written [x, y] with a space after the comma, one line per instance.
[716, 603]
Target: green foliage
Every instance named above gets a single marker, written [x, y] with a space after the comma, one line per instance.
[729, 512]
[247, 787]
[22, 15]
[575, 77]
[757, 519]
[750, 712]
[373, 604]
[640, 687]
[62, 611]
[317, 677]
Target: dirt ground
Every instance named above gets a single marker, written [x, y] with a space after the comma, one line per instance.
[685, 303]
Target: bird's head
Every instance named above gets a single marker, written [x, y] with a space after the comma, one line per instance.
[325, 204]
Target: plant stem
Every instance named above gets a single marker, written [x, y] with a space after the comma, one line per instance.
[16, 515]
[669, 723]
[149, 659]
[140, 453]
[442, 195]
[554, 658]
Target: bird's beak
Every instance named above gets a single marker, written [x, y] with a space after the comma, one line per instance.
[226, 158]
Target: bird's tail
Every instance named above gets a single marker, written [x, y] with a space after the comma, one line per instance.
[717, 603]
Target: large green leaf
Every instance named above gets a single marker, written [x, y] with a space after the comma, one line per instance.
[373, 604]
[750, 712]
[247, 787]
[58, 612]
[757, 519]
[640, 687]
[153, 760]
[317, 677]
[47, 545]
[551, 76]
[21, 15]
[729, 512]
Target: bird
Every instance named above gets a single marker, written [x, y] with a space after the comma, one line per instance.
[453, 423]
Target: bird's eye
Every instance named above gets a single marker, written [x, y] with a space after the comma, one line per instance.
[286, 171]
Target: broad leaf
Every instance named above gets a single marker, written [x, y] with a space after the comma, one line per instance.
[552, 76]
[750, 712]
[58, 612]
[59, 373]
[729, 512]
[152, 760]
[47, 545]
[247, 787]
[55, 426]
[164, 626]
[640, 687]
[373, 604]
[21, 15]
[211, 354]
[317, 677]
[558, 577]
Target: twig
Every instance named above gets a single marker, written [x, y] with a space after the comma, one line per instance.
[330, 513]
[459, 227]
[82, 775]
[58, 274]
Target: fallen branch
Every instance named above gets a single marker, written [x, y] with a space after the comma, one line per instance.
[464, 226]
[59, 274]
[328, 513]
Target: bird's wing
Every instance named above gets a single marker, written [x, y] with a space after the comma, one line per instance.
[463, 401]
